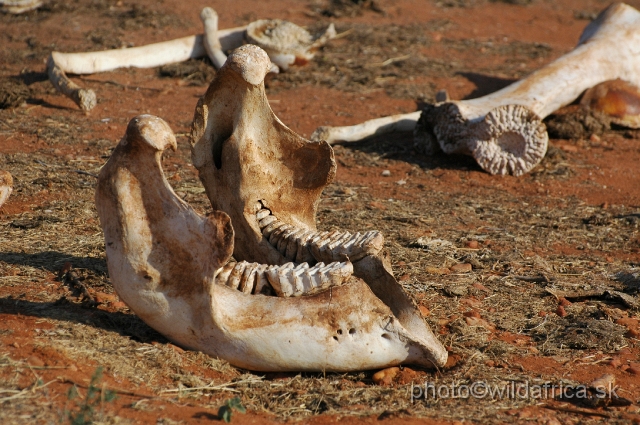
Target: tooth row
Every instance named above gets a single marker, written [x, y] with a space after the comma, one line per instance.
[308, 246]
[291, 280]
[246, 277]
[286, 280]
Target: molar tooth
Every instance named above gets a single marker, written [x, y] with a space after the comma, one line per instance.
[262, 282]
[280, 281]
[262, 214]
[223, 273]
[292, 243]
[271, 227]
[275, 235]
[248, 279]
[284, 240]
[264, 222]
[298, 281]
[236, 275]
[303, 255]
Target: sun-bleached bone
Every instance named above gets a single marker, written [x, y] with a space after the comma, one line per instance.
[17, 7]
[164, 261]
[211, 39]
[504, 130]
[6, 186]
[285, 42]
[268, 178]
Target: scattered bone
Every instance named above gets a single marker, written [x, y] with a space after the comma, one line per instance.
[6, 186]
[284, 40]
[211, 40]
[353, 133]
[286, 43]
[17, 7]
[303, 245]
[249, 162]
[164, 261]
[617, 99]
[504, 130]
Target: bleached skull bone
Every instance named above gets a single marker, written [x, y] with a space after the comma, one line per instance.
[6, 186]
[171, 267]
[265, 176]
[504, 130]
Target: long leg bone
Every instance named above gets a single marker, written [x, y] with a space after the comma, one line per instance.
[504, 130]
[269, 180]
[6, 186]
[287, 43]
[168, 264]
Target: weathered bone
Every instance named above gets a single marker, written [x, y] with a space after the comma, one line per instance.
[504, 130]
[286, 43]
[6, 186]
[17, 7]
[284, 40]
[269, 180]
[164, 261]
[211, 39]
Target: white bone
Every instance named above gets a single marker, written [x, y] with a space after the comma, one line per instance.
[354, 133]
[504, 130]
[249, 161]
[17, 7]
[211, 39]
[164, 260]
[6, 186]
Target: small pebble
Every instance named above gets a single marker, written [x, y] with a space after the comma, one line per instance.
[386, 173]
[634, 369]
[424, 310]
[385, 376]
[461, 268]
[564, 302]
[472, 244]
[615, 362]
[561, 311]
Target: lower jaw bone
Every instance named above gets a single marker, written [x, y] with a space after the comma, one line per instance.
[171, 266]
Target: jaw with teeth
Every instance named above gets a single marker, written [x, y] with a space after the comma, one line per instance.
[269, 180]
[265, 176]
[171, 266]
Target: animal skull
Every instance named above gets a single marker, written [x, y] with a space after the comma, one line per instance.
[269, 180]
[171, 266]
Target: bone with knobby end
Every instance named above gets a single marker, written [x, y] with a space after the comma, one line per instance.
[504, 130]
[164, 262]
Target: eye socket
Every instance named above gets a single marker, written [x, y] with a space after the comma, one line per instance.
[218, 141]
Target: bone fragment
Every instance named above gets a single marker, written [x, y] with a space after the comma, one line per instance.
[17, 7]
[353, 133]
[285, 42]
[149, 56]
[6, 186]
[503, 131]
[167, 264]
[211, 40]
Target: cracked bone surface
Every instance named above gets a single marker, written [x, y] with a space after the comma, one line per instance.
[170, 266]
[269, 180]
[503, 131]
[6, 186]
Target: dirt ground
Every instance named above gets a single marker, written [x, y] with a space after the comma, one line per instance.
[531, 280]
